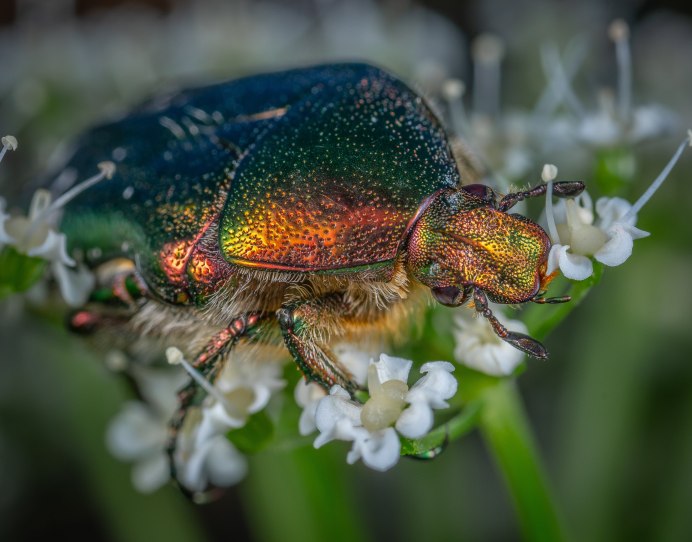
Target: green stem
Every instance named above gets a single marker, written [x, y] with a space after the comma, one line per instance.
[304, 494]
[506, 430]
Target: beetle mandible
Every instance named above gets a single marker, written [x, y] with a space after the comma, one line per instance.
[296, 208]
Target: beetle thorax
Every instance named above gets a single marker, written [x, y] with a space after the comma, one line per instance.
[454, 245]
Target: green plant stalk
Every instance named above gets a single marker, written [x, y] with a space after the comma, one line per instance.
[303, 494]
[506, 431]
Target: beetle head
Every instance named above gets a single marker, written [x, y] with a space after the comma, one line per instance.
[461, 242]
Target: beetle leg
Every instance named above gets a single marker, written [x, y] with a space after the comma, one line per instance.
[208, 362]
[563, 189]
[299, 324]
[518, 340]
[128, 287]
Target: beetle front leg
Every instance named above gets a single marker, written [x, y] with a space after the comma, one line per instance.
[208, 362]
[300, 324]
[518, 340]
[563, 189]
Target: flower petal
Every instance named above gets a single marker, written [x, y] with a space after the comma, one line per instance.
[225, 465]
[416, 420]
[391, 368]
[151, 473]
[618, 247]
[308, 396]
[481, 349]
[354, 359]
[612, 210]
[336, 417]
[53, 249]
[436, 386]
[135, 432]
[75, 285]
[214, 461]
[573, 266]
[379, 451]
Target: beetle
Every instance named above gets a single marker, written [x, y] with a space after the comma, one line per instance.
[302, 207]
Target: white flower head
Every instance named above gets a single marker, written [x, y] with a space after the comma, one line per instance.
[308, 395]
[617, 121]
[212, 461]
[479, 347]
[243, 388]
[577, 235]
[139, 431]
[392, 408]
[36, 235]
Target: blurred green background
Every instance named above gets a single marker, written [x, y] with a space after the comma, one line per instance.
[612, 409]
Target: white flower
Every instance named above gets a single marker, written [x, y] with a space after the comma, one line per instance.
[609, 239]
[371, 426]
[479, 347]
[35, 235]
[213, 461]
[243, 388]
[308, 395]
[139, 431]
[577, 235]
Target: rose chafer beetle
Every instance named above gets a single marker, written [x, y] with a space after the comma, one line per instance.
[297, 208]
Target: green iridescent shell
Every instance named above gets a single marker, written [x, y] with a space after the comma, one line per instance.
[315, 169]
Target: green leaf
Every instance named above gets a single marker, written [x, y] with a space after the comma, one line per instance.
[18, 272]
[255, 435]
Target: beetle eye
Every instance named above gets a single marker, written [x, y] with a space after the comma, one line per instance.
[450, 296]
[480, 191]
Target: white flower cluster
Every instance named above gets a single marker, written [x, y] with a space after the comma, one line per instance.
[36, 233]
[578, 235]
[479, 347]
[504, 145]
[204, 455]
[393, 409]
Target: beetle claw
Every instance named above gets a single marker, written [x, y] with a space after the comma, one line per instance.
[526, 344]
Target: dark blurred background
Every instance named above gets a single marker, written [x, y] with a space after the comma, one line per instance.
[612, 409]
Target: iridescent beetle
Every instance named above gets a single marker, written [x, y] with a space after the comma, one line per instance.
[318, 202]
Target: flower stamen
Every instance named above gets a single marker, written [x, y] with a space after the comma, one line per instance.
[106, 171]
[487, 51]
[176, 357]
[646, 196]
[8, 143]
[548, 175]
[619, 32]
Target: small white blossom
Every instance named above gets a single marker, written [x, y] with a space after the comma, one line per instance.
[308, 395]
[479, 347]
[139, 431]
[36, 235]
[577, 235]
[371, 426]
[243, 388]
[355, 359]
[213, 460]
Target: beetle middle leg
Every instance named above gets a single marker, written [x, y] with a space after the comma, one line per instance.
[208, 362]
[301, 324]
[518, 340]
